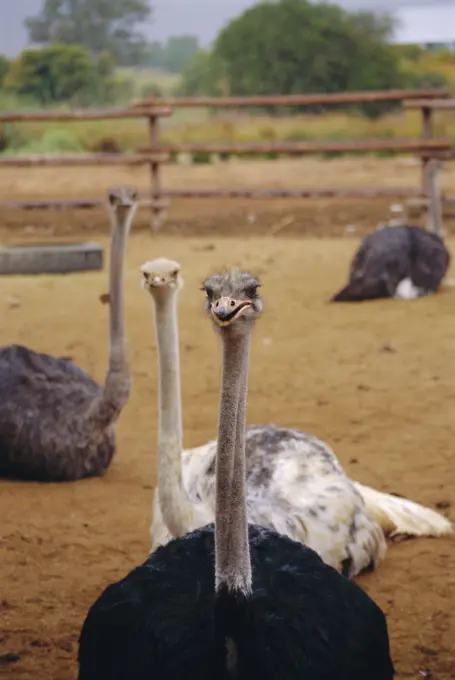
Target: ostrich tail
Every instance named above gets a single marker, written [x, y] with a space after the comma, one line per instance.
[346, 294]
[400, 516]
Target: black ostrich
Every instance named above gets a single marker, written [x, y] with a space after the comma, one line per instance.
[56, 423]
[234, 601]
[396, 262]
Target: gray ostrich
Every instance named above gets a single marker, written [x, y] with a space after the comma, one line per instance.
[403, 262]
[56, 423]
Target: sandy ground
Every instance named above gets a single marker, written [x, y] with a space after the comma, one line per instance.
[376, 381]
[230, 216]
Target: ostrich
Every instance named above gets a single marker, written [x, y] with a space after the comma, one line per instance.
[402, 262]
[56, 423]
[232, 600]
[295, 484]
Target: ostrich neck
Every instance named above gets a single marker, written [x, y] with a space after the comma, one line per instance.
[116, 389]
[232, 553]
[117, 338]
[176, 508]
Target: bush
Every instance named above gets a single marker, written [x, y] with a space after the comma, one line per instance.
[105, 64]
[54, 140]
[202, 75]
[54, 74]
[117, 90]
[151, 89]
[427, 79]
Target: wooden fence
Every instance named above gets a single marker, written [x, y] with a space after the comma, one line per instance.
[156, 154]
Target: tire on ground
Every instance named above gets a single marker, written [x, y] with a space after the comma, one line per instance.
[60, 258]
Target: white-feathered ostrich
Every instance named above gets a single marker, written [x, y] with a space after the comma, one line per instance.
[234, 601]
[56, 423]
[295, 484]
[403, 262]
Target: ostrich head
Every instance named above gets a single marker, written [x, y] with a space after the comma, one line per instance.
[232, 300]
[122, 201]
[161, 276]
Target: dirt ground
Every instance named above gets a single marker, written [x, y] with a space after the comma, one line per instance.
[376, 381]
[315, 216]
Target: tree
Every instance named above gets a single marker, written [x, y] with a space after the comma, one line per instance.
[202, 75]
[4, 68]
[54, 74]
[177, 50]
[294, 46]
[154, 55]
[172, 55]
[97, 24]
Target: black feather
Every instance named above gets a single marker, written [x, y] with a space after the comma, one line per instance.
[302, 621]
[386, 257]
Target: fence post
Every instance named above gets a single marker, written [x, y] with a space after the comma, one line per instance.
[427, 133]
[434, 215]
[159, 205]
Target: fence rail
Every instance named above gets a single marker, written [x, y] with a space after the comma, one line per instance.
[433, 104]
[88, 204]
[86, 114]
[84, 159]
[295, 99]
[156, 154]
[419, 146]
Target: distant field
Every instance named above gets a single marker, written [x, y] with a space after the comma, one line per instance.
[200, 125]
[147, 76]
[210, 126]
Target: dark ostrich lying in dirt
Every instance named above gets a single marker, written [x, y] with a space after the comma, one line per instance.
[396, 262]
[56, 423]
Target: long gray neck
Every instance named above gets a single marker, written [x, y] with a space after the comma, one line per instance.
[117, 385]
[232, 552]
[176, 507]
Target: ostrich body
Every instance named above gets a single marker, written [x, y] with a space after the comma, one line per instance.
[295, 484]
[402, 262]
[56, 423]
[234, 601]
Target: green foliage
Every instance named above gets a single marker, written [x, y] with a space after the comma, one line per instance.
[202, 75]
[293, 46]
[118, 90]
[4, 68]
[55, 73]
[54, 140]
[96, 24]
[151, 89]
[427, 79]
[154, 56]
[145, 77]
[105, 64]
[411, 52]
[174, 54]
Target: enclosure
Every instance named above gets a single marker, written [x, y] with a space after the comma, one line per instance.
[374, 380]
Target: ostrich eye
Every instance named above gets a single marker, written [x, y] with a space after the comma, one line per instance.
[251, 291]
[208, 292]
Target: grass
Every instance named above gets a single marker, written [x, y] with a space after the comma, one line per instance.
[197, 125]
[144, 77]
[191, 125]
[187, 125]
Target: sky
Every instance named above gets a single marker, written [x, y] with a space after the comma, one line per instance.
[420, 20]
